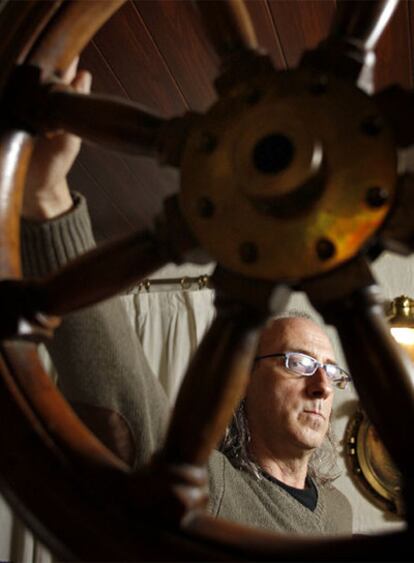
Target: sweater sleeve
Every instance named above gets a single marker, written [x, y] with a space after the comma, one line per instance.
[102, 369]
[49, 245]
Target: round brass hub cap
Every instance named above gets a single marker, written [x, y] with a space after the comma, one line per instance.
[289, 177]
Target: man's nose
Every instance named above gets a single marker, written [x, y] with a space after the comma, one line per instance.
[319, 384]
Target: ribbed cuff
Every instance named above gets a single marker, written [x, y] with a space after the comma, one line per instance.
[49, 245]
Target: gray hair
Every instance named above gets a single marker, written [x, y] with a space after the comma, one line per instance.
[293, 314]
[322, 467]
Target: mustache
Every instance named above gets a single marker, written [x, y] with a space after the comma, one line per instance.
[316, 407]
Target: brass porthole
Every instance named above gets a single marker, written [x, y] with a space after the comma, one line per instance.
[370, 465]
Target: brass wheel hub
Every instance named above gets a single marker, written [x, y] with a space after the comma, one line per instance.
[272, 180]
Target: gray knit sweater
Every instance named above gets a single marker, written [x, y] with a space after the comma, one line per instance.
[103, 370]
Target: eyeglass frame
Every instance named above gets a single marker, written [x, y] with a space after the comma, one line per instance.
[318, 365]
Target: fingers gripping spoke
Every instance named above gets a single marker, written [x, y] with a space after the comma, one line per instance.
[229, 28]
[115, 124]
[110, 122]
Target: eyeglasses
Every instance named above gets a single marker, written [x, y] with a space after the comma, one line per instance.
[302, 364]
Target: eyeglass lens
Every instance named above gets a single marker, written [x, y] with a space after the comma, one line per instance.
[305, 365]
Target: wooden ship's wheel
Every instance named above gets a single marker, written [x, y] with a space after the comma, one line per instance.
[270, 190]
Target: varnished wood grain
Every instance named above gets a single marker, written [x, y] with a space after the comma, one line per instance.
[124, 192]
[19, 32]
[228, 29]
[108, 221]
[126, 61]
[267, 37]
[15, 152]
[131, 53]
[394, 60]
[104, 76]
[301, 25]
[178, 36]
[116, 124]
[76, 23]
[411, 32]
[136, 186]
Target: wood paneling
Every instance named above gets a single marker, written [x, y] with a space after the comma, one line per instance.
[411, 35]
[394, 64]
[108, 221]
[266, 32]
[125, 192]
[134, 187]
[301, 25]
[177, 32]
[105, 80]
[133, 56]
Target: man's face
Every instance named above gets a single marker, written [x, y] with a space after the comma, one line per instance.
[289, 414]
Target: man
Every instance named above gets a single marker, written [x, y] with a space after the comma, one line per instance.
[287, 332]
[283, 423]
[104, 374]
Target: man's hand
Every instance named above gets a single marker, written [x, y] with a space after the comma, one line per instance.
[46, 192]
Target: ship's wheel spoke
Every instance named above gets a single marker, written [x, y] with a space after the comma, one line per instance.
[349, 48]
[229, 29]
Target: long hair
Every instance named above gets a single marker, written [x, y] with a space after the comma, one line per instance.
[322, 466]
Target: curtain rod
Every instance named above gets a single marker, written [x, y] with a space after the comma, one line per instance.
[185, 282]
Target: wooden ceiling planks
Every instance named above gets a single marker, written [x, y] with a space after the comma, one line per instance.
[126, 62]
[155, 53]
[267, 36]
[410, 5]
[301, 25]
[107, 219]
[394, 57]
[132, 54]
[176, 30]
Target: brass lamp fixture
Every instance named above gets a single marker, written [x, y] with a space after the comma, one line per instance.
[401, 319]
[369, 464]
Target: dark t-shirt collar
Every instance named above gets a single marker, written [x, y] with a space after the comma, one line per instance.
[307, 496]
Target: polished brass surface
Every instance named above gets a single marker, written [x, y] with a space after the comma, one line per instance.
[401, 312]
[370, 465]
[316, 194]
